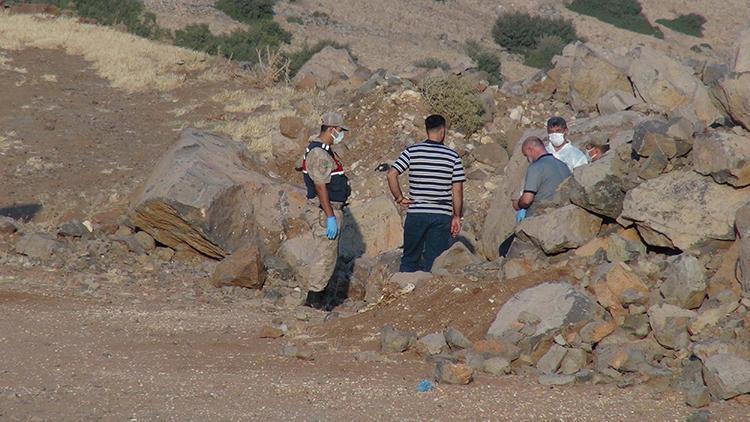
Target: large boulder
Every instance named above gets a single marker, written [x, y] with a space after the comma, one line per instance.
[372, 226]
[454, 260]
[594, 73]
[327, 67]
[733, 92]
[682, 208]
[685, 285]
[207, 193]
[670, 324]
[663, 82]
[244, 268]
[725, 156]
[741, 59]
[726, 375]
[554, 304]
[742, 223]
[561, 229]
[597, 187]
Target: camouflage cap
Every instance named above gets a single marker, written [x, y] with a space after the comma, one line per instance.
[333, 119]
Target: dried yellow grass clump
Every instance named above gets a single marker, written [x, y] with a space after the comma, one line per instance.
[127, 61]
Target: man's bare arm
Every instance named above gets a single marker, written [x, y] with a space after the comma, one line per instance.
[395, 188]
[325, 202]
[526, 200]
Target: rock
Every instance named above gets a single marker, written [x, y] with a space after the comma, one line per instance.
[270, 332]
[626, 285]
[244, 268]
[292, 127]
[700, 416]
[164, 254]
[416, 278]
[130, 242]
[454, 260]
[614, 101]
[431, 344]
[550, 362]
[741, 59]
[593, 247]
[596, 331]
[369, 356]
[726, 376]
[597, 187]
[496, 366]
[638, 324]
[371, 227]
[145, 240]
[685, 284]
[207, 193]
[73, 228]
[491, 154]
[556, 304]
[38, 245]
[453, 373]
[517, 267]
[593, 73]
[497, 348]
[327, 66]
[653, 166]
[733, 92]
[561, 229]
[395, 341]
[743, 230]
[8, 225]
[558, 380]
[710, 317]
[620, 249]
[725, 156]
[573, 362]
[697, 397]
[681, 209]
[670, 323]
[663, 82]
[456, 339]
[725, 279]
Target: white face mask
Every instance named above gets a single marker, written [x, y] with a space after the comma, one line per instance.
[338, 137]
[557, 139]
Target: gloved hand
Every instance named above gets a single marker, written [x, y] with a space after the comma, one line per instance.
[520, 215]
[333, 228]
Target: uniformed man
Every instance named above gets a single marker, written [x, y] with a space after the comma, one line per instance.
[327, 192]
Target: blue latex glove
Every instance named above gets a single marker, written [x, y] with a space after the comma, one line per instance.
[333, 228]
[520, 215]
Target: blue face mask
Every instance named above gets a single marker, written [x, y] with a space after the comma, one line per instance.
[337, 138]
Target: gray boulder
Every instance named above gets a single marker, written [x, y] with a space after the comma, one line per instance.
[395, 341]
[454, 260]
[617, 100]
[39, 245]
[725, 156]
[670, 324]
[431, 344]
[456, 339]
[561, 229]
[726, 375]
[732, 92]
[597, 187]
[686, 283]
[327, 67]
[743, 229]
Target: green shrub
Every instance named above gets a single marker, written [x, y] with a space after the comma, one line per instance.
[197, 37]
[691, 24]
[625, 14]
[547, 47]
[298, 58]
[247, 11]
[295, 19]
[131, 13]
[433, 63]
[487, 61]
[520, 32]
[239, 45]
[455, 99]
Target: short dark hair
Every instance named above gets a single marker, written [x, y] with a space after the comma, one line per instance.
[557, 121]
[433, 122]
[324, 128]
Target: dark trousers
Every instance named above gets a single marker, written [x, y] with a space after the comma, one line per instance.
[426, 236]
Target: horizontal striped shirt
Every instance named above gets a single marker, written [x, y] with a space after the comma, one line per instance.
[433, 169]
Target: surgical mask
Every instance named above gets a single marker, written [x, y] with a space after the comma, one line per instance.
[557, 139]
[337, 138]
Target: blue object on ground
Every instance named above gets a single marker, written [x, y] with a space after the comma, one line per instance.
[425, 386]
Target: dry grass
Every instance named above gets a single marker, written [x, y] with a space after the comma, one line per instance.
[128, 62]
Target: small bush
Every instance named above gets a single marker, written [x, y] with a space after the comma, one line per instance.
[625, 14]
[197, 37]
[691, 24]
[239, 45]
[487, 61]
[547, 47]
[433, 63]
[455, 99]
[520, 32]
[298, 58]
[247, 11]
[295, 19]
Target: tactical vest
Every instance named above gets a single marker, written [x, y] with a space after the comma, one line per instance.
[338, 188]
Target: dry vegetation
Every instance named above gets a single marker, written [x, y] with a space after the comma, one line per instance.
[127, 61]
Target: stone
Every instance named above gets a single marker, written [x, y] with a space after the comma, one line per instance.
[496, 366]
[453, 373]
[560, 229]
[725, 156]
[732, 93]
[638, 324]
[685, 284]
[726, 376]
[556, 380]
[491, 154]
[573, 362]
[517, 267]
[661, 81]
[550, 362]
[670, 138]
[596, 331]
[39, 246]
[416, 278]
[614, 101]
[145, 240]
[129, 241]
[700, 416]
[670, 323]
[653, 166]
[431, 344]
[626, 285]
[593, 73]
[292, 127]
[620, 249]
[454, 260]
[456, 339]
[395, 341]
[597, 187]
[8, 225]
[270, 332]
[710, 317]
[244, 268]
[372, 226]
[592, 247]
[725, 279]
[164, 254]
[556, 305]
[740, 62]
[497, 348]
[682, 209]
[73, 228]
[327, 66]
[208, 193]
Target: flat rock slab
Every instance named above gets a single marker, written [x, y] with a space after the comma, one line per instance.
[727, 375]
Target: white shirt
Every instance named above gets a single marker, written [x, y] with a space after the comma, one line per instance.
[569, 154]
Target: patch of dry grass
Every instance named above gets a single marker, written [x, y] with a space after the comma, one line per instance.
[127, 61]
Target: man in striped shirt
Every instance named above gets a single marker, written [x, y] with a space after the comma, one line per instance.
[435, 201]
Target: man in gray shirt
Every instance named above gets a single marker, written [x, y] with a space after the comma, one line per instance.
[544, 175]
